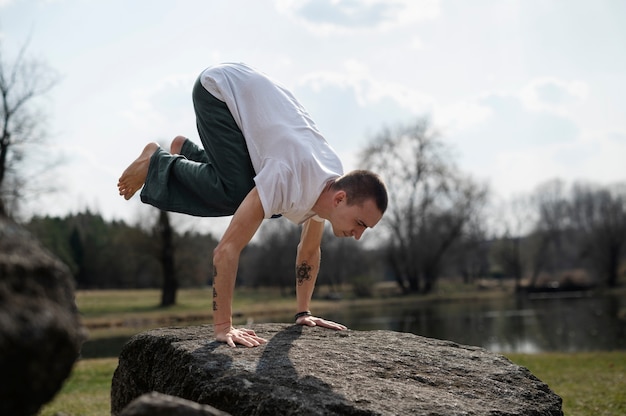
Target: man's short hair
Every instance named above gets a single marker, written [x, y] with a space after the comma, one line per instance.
[361, 185]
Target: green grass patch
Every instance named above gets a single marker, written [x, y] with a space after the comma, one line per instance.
[86, 392]
[589, 383]
[95, 304]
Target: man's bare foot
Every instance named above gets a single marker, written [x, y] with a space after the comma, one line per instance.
[135, 174]
[177, 145]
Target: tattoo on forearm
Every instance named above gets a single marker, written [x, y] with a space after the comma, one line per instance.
[303, 272]
[214, 291]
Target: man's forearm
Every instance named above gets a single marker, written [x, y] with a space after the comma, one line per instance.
[307, 270]
[308, 262]
[242, 227]
[222, 301]
[224, 274]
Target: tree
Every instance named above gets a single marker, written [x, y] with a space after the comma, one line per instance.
[430, 201]
[346, 261]
[21, 83]
[513, 223]
[599, 215]
[271, 261]
[546, 241]
[105, 254]
[165, 235]
[470, 254]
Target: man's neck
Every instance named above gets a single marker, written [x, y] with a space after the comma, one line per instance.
[323, 205]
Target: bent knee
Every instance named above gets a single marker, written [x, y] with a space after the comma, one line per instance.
[177, 144]
[179, 140]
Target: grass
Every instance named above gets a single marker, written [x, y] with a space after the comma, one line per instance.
[86, 392]
[589, 383]
[113, 305]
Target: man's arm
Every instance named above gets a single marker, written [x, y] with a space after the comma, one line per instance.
[240, 231]
[307, 269]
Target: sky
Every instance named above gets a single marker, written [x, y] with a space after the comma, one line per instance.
[523, 91]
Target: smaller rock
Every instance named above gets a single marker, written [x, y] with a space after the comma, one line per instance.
[157, 404]
[40, 329]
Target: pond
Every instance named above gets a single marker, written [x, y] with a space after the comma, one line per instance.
[574, 322]
[526, 324]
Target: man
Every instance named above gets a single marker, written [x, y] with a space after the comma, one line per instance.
[262, 157]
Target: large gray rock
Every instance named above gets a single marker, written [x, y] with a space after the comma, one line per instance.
[40, 330]
[316, 371]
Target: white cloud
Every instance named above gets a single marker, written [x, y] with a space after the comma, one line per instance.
[553, 97]
[599, 156]
[417, 43]
[552, 94]
[462, 114]
[603, 156]
[368, 89]
[324, 17]
[154, 110]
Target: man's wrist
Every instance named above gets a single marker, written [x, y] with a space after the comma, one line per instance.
[301, 314]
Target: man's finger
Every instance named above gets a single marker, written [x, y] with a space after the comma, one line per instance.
[331, 324]
[247, 338]
[229, 341]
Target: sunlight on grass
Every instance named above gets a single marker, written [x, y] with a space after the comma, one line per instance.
[103, 302]
[588, 383]
[99, 303]
[86, 391]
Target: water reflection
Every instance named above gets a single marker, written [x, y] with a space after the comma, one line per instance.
[526, 325]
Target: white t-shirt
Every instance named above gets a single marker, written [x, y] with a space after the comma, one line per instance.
[291, 159]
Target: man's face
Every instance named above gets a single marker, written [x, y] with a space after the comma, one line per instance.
[352, 220]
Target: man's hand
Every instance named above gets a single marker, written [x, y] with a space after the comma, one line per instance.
[315, 321]
[243, 336]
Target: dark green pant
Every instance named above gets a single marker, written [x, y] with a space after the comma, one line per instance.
[209, 182]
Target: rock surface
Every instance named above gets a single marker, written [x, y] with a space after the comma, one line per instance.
[316, 371]
[157, 404]
[40, 329]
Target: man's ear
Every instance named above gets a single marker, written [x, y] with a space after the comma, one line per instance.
[338, 197]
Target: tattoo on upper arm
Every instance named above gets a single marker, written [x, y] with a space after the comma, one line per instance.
[303, 272]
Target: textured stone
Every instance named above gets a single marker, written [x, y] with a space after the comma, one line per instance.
[316, 371]
[40, 329]
[157, 404]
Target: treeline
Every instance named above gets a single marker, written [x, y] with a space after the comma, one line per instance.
[113, 254]
[566, 233]
[103, 254]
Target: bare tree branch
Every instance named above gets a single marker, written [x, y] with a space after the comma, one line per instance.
[22, 82]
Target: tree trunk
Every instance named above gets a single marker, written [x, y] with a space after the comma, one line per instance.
[613, 265]
[170, 282]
